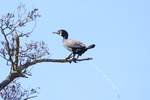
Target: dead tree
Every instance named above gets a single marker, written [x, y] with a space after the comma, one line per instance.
[18, 54]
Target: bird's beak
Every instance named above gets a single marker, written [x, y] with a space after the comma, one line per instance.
[55, 33]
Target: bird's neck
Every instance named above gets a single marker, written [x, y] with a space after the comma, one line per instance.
[65, 37]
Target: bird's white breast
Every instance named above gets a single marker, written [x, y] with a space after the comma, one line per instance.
[69, 44]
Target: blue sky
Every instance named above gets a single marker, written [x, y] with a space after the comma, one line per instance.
[119, 28]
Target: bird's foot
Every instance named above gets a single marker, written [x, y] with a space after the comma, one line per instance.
[70, 60]
[68, 57]
[74, 60]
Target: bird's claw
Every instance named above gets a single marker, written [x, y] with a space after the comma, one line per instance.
[74, 60]
[71, 59]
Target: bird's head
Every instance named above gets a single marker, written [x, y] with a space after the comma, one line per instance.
[62, 33]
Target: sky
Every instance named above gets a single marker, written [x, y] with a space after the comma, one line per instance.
[121, 59]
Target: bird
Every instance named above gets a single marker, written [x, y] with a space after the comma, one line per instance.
[74, 46]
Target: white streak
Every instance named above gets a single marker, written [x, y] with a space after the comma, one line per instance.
[109, 80]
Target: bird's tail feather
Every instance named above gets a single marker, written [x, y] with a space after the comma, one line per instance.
[91, 46]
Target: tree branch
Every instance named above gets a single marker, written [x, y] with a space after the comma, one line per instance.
[7, 44]
[26, 65]
[17, 46]
[10, 78]
[15, 74]
[30, 97]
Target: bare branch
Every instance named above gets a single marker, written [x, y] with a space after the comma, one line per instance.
[28, 64]
[30, 97]
[7, 45]
[10, 78]
[15, 91]
[16, 74]
[16, 47]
